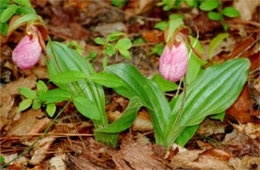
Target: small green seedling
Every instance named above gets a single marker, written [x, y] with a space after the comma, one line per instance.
[216, 13]
[112, 44]
[139, 41]
[119, 3]
[157, 49]
[213, 7]
[42, 97]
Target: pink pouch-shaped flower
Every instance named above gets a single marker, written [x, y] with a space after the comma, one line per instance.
[174, 62]
[27, 53]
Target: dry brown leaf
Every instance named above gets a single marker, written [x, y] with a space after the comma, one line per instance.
[94, 155]
[198, 159]
[19, 162]
[106, 29]
[8, 93]
[250, 129]
[41, 149]
[152, 36]
[57, 162]
[143, 122]
[239, 144]
[138, 156]
[242, 48]
[32, 121]
[246, 8]
[211, 127]
[204, 24]
[139, 6]
[242, 109]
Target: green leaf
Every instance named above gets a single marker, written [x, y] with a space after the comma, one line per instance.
[164, 85]
[161, 25]
[195, 63]
[105, 61]
[26, 3]
[149, 93]
[86, 107]
[2, 159]
[173, 25]
[157, 49]
[215, 16]
[26, 10]
[36, 104]
[175, 16]
[114, 36]
[110, 50]
[106, 79]
[3, 28]
[186, 135]
[192, 3]
[215, 42]
[26, 103]
[23, 20]
[67, 77]
[51, 109]
[75, 46]
[8, 13]
[66, 59]
[219, 116]
[125, 53]
[100, 41]
[118, 3]
[41, 86]
[123, 44]
[139, 41]
[28, 93]
[212, 92]
[230, 12]
[55, 96]
[107, 138]
[4, 2]
[225, 26]
[126, 120]
[209, 5]
[91, 55]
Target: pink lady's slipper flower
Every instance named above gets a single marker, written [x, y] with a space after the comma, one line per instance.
[174, 61]
[27, 53]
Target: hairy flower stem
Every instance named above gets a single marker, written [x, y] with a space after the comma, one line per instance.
[39, 138]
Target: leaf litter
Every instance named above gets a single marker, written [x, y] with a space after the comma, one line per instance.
[70, 145]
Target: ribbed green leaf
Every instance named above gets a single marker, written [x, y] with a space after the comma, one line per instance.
[212, 92]
[164, 85]
[66, 59]
[106, 79]
[186, 134]
[68, 77]
[126, 120]
[150, 94]
[86, 107]
[54, 96]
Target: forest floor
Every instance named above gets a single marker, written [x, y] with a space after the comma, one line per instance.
[230, 144]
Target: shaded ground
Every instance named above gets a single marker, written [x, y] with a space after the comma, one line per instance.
[231, 144]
